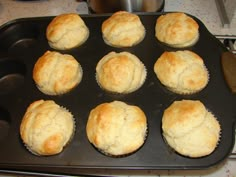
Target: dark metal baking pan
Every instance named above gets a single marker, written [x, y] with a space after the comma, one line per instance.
[23, 41]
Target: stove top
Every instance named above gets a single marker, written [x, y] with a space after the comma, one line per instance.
[228, 41]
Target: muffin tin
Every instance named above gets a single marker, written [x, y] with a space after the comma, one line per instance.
[23, 41]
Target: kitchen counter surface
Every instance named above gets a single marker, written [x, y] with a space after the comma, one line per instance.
[205, 10]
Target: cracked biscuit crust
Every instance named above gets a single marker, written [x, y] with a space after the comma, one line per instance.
[46, 127]
[177, 30]
[120, 72]
[123, 29]
[116, 128]
[182, 72]
[67, 31]
[55, 73]
[190, 129]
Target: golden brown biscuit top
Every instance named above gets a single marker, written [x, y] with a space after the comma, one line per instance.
[117, 64]
[176, 28]
[190, 129]
[183, 70]
[61, 24]
[123, 29]
[120, 19]
[46, 127]
[56, 73]
[106, 115]
[120, 72]
[49, 60]
[116, 128]
[183, 116]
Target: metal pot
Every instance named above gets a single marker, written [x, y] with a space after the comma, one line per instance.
[110, 6]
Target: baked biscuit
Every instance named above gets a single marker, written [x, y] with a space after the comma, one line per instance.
[177, 30]
[120, 72]
[46, 127]
[123, 29]
[190, 129]
[182, 72]
[67, 31]
[55, 73]
[116, 128]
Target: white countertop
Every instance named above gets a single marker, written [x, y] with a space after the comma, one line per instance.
[205, 10]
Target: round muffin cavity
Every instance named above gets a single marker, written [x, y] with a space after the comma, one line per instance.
[120, 72]
[66, 31]
[123, 29]
[55, 73]
[190, 129]
[116, 128]
[46, 127]
[182, 72]
[177, 30]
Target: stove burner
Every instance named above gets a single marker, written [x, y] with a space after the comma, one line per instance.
[228, 41]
